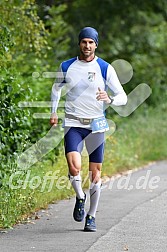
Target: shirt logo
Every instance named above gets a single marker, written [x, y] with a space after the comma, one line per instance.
[91, 76]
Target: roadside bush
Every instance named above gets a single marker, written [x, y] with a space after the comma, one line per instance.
[25, 44]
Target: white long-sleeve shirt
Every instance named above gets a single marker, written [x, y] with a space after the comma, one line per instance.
[81, 81]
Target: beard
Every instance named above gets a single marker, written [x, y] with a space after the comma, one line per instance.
[87, 53]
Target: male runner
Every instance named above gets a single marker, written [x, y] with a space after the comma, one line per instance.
[86, 79]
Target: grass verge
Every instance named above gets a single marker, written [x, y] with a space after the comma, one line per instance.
[138, 139]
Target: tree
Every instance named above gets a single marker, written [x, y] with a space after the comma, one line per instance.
[25, 47]
[130, 30]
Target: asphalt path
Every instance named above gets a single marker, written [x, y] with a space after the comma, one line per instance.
[132, 216]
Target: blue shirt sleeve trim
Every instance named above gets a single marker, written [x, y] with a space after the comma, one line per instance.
[65, 65]
[103, 66]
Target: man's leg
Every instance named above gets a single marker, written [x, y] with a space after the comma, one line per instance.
[95, 147]
[73, 147]
[95, 187]
[74, 165]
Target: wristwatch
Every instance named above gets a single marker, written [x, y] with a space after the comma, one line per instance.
[111, 99]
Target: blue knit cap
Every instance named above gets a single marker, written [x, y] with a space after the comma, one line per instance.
[88, 32]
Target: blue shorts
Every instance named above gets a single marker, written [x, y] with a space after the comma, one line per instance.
[75, 137]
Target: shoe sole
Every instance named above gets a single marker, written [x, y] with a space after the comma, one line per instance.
[89, 230]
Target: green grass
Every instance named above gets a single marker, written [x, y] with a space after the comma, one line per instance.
[138, 139]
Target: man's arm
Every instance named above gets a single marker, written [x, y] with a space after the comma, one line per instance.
[55, 97]
[119, 96]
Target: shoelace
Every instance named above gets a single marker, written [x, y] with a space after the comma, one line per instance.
[80, 205]
[90, 221]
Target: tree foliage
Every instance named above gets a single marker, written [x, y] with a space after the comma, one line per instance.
[131, 30]
[25, 47]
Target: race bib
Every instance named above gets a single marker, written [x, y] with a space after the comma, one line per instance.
[99, 125]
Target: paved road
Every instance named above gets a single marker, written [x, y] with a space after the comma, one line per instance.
[132, 216]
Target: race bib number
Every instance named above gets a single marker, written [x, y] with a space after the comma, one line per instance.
[99, 125]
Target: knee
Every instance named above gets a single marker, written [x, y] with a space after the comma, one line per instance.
[74, 163]
[95, 176]
[95, 172]
[73, 171]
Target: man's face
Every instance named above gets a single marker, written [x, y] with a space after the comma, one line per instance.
[87, 47]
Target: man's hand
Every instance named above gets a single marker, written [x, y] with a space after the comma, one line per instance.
[103, 96]
[54, 119]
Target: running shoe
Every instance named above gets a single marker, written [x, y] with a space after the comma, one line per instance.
[90, 225]
[79, 211]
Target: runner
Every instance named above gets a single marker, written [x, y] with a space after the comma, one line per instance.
[86, 79]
